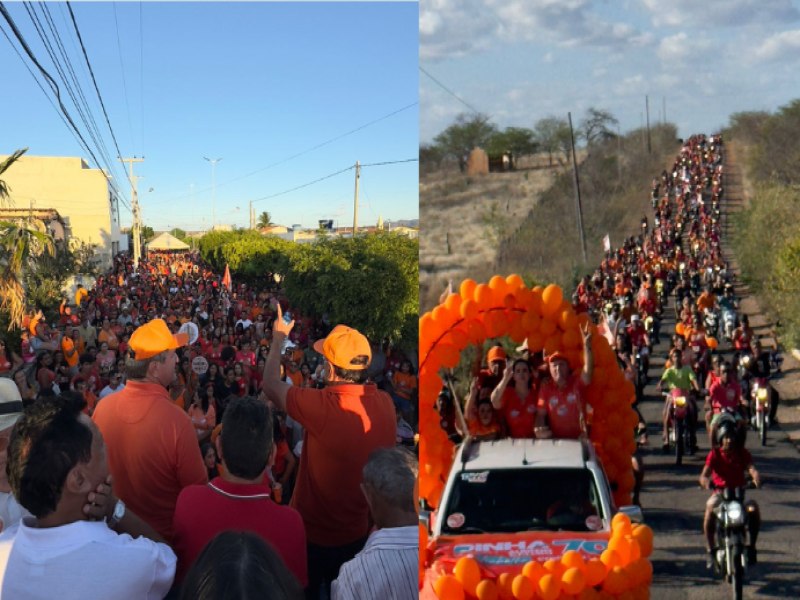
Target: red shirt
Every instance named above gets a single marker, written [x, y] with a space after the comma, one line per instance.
[564, 406]
[728, 470]
[724, 396]
[343, 424]
[520, 415]
[203, 511]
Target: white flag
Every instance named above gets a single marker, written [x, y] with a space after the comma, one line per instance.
[606, 243]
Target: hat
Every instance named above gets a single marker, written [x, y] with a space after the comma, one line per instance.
[346, 348]
[557, 356]
[10, 403]
[634, 318]
[154, 338]
[495, 353]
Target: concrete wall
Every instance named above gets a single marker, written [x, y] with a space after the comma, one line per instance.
[80, 194]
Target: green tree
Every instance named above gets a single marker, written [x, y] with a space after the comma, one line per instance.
[264, 220]
[370, 282]
[468, 132]
[147, 233]
[180, 234]
[597, 125]
[519, 141]
[552, 136]
[21, 243]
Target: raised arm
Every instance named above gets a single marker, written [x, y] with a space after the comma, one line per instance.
[276, 389]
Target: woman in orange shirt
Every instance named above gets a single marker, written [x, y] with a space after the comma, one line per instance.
[482, 420]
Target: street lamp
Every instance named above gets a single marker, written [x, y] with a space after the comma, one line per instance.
[213, 162]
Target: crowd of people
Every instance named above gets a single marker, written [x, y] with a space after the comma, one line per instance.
[167, 404]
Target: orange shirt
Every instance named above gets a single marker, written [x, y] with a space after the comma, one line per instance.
[478, 429]
[152, 451]
[564, 406]
[343, 424]
[404, 384]
[71, 354]
[706, 300]
[109, 337]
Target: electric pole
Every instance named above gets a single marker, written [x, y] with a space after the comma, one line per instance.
[136, 230]
[355, 201]
[577, 189]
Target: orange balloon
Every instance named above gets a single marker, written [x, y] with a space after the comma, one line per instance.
[536, 341]
[533, 570]
[452, 303]
[498, 283]
[573, 558]
[621, 546]
[522, 588]
[567, 319]
[621, 522]
[589, 593]
[552, 296]
[679, 329]
[469, 309]
[531, 322]
[486, 590]
[712, 343]
[615, 581]
[552, 344]
[467, 288]
[595, 571]
[448, 587]
[572, 338]
[644, 536]
[554, 567]
[504, 581]
[482, 295]
[610, 558]
[514, 281]
[635, 549]
[573, 580]
[509, 300]
[468, 573]
[547, 327]
[549, 587]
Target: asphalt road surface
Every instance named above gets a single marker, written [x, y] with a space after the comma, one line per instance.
[673, 505]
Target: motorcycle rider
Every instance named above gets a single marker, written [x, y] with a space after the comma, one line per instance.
[680, 376]
[726, 467]
[640, 341]
[724, 393]
[760, 368]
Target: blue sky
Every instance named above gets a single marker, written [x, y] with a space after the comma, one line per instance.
[252, 83]
[521, 60]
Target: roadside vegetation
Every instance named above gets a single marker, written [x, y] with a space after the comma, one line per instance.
[766, 234]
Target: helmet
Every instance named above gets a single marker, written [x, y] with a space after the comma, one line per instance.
[726, 429]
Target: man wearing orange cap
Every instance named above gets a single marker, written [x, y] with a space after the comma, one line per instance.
[496, 364]
[343, 422]
[561, 397]
[151, 444]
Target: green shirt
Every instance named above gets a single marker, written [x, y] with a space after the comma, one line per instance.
[679, 378]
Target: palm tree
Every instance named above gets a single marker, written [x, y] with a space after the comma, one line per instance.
[21, 242]
[264, 220]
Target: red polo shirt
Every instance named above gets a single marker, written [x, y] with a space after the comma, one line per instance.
[203, 511]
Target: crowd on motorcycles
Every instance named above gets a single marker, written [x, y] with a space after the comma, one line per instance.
[677, 255]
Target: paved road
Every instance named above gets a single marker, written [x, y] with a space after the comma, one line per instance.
[673, 505]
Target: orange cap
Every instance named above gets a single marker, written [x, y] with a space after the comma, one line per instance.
[557, 356]
[346, 348]
[154, 338]
[495, 353]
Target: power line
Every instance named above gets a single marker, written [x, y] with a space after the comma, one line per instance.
[122, 71]
[299, 187]
[311, 149]
[391, 162]
[61, 110]
[449, 91]
[94, 81]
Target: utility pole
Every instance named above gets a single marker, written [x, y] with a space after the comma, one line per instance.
[252, 216]
[577, 189]
[355, 200]
[213, 162]
[136, 229]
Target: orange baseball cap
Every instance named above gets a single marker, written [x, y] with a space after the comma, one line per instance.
[154, 338]
[557, 356]
[495, 353]
[346, 348]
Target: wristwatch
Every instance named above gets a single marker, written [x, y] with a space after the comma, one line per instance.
[117, 515]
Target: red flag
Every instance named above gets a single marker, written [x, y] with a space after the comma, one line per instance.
[226, 279]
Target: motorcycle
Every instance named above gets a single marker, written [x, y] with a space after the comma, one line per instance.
[759, 407]
[680, 433]
[731, 538]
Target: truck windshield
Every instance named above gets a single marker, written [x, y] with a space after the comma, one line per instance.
[513, 500]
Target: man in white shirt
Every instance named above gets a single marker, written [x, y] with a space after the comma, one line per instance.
[387, 566]
[115, 384]
[56, 461]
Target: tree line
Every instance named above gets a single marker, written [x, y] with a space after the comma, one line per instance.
[550, 135]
